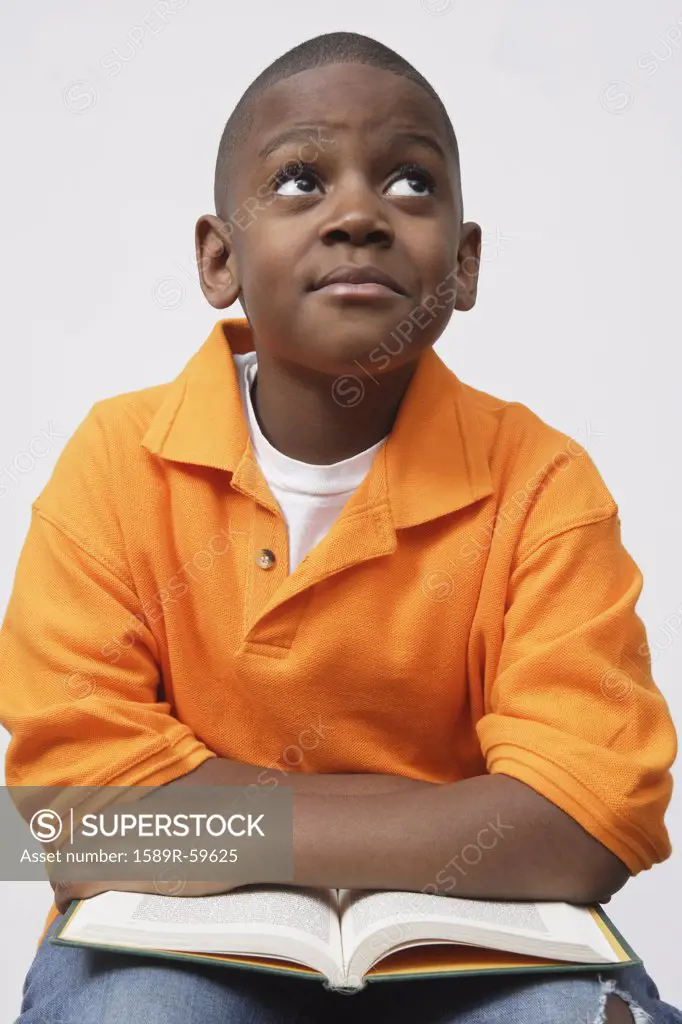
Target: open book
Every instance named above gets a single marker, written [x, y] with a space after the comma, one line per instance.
[345, 937]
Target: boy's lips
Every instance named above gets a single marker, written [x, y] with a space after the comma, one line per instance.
[350, 279]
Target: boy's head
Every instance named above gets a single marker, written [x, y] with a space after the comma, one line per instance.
[339, 156]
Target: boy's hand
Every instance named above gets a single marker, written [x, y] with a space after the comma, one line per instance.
[66, 891]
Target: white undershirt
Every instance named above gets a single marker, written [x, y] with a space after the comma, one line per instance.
[311, 497]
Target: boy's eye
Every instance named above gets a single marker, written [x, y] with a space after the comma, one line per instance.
[294, 180]
[412, 180]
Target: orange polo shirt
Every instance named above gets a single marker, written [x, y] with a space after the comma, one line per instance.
[471, 610]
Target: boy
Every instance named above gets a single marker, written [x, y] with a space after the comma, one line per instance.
[425, 581]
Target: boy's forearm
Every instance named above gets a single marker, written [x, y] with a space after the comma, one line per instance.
[490, 837]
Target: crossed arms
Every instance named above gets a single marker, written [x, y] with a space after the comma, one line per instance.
[489, 837]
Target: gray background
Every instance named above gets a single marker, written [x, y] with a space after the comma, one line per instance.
[568, 117]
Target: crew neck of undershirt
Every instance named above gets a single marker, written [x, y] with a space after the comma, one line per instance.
[291, 474]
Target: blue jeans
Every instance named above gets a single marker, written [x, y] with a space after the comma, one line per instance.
[81, 986]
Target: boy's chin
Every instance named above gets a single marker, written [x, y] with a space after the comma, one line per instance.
[366, 346]
[365, 357]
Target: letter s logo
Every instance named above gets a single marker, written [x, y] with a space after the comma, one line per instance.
[45, 825]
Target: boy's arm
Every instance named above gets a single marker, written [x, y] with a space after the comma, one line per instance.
[578, 742]
[80, 684]
[490, 837]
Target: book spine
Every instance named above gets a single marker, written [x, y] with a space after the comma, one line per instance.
[347, 987]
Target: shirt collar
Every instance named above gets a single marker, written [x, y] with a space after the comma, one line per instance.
[435, 463]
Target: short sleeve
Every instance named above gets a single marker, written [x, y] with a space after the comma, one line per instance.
[80, 684]
[572, 709]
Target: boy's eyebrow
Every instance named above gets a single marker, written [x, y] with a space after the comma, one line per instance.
[422, 139]
[307, 132]
[310, 133]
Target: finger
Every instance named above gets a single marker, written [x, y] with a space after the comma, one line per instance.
[66, 892]
[62, 895]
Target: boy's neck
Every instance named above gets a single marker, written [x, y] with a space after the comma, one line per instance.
[320, 419]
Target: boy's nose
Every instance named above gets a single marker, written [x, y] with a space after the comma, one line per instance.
[357, 216]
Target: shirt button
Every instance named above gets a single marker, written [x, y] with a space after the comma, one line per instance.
[266, 558]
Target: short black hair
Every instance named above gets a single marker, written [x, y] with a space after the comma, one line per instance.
[330, 48]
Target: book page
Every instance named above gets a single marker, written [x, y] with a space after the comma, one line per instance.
[273, 920]
[362, 911]
[373, 923]
[266, 907]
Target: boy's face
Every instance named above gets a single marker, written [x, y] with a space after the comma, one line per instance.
[344, 166]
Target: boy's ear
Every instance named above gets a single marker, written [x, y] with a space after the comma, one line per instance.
[216, 261]
[468, 264]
